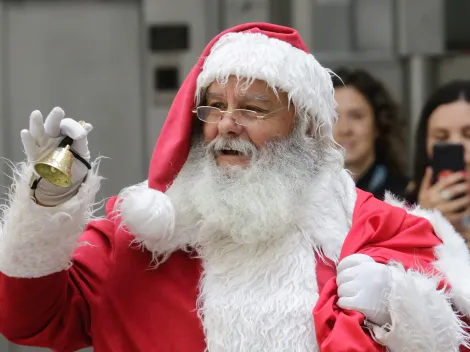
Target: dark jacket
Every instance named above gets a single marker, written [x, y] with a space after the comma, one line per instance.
[378, 179]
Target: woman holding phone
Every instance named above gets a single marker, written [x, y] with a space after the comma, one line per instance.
[444, 127]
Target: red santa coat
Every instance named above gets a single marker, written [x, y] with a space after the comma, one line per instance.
[110, 299]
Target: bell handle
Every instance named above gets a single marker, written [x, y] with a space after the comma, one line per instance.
[67, 141]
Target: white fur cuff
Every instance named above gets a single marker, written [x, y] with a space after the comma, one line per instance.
[36, 241]
[453, 258]
[422, 317]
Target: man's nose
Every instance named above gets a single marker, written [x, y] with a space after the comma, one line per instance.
[228, 125]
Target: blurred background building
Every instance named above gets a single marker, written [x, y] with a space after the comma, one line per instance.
[118, 63]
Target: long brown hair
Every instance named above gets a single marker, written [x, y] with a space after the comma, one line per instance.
[389, 146]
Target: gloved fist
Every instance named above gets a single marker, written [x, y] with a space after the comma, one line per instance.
[363, 286]
[43, 138]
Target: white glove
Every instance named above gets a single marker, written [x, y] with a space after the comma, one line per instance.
[363, 286]
[43, 138]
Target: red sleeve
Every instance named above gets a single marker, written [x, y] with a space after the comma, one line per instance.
[384, 233]
[54, 311]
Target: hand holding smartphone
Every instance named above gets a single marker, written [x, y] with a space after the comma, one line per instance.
[448, 190]
[447, 159]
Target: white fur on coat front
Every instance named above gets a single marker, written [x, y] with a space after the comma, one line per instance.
[259, 298]
[36, 241]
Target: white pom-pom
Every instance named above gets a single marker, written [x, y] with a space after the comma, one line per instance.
[149, 215]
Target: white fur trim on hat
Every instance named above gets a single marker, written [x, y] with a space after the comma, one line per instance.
[149, 215]
[282, 66]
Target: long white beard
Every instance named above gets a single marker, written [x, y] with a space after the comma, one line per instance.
[245, 205]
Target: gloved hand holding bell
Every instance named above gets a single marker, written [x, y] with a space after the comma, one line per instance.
[57, 167]
[58, 150]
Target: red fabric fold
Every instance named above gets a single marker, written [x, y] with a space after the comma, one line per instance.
[386, 234]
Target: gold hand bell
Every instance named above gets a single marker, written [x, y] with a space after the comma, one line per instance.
[57, 166]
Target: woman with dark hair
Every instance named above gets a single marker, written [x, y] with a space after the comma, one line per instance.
[370, 130]
[445, 117]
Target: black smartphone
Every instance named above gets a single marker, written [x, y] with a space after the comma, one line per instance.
[447, 158]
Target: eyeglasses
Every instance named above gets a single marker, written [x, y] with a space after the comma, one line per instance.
[242, 117]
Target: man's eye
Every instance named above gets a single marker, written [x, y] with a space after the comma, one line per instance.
[256, 109]
[217, 105]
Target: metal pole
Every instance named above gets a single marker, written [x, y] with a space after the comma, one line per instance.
[302, 14]
[3, 109]
[421, 79]
[420, 33]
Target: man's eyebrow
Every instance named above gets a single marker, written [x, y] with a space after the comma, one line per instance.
[257, 97]
[213, 95]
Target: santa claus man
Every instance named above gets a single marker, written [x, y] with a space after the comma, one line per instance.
[247, 236]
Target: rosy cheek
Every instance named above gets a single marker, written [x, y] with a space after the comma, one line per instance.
[210, 132]
[260, 138]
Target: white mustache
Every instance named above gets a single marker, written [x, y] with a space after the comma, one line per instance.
[241, 146]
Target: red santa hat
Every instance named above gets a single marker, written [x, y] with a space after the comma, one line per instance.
[271, 53]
